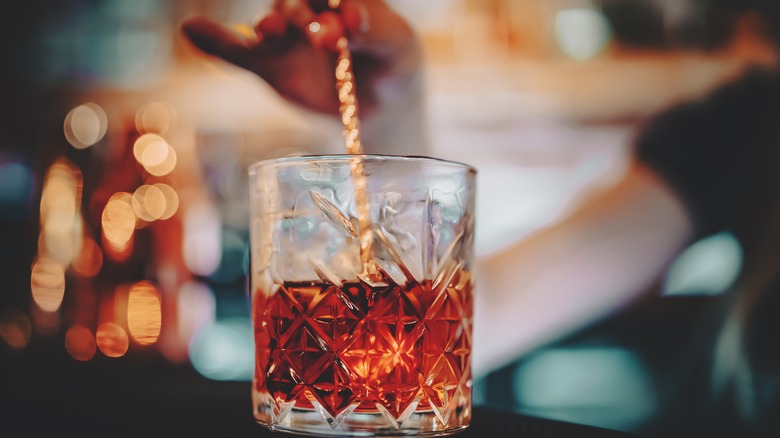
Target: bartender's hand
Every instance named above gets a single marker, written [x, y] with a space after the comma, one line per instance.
[295, 49]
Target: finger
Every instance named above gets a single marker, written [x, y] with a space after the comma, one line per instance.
[322, 27]
[355, 16]
[297, 12]
[216, 40]
[374, 27]
[272, 25]
[325, 31]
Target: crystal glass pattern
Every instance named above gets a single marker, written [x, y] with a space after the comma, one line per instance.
[342, 353]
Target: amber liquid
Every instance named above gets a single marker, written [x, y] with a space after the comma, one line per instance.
[366, 347]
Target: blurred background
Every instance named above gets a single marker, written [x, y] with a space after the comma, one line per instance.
[123, 156]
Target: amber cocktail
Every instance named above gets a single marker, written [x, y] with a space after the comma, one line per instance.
[362, 325]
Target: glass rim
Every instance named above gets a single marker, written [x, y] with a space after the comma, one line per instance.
[344, 157]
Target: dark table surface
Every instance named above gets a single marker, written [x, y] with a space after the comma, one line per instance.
[38, 398]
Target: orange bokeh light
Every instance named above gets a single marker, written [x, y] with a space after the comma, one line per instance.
[80, 343]
[47, 283]
[161, 164]
[61, 224]
[154, 154]
[149, 203]
[119, 221]
[144, 313]
[155, 202]
[15, 328]
[143, 142]
[156, 117]
[61, 194]
[112, 340]
[171, 200]
[90, 260]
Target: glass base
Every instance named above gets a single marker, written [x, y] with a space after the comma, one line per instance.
[310, 422]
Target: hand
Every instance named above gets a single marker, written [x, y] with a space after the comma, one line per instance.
[295, 51]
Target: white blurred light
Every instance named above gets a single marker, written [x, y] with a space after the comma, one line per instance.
[154, 154]
[582, 385]
[224, 350]
[142, 143]
[708, 267]
[156, 117]
[196, 307]
[85, 125]
[202, 231]
[582, 33]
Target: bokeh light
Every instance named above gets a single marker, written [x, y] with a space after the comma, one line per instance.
[148, 203]
[224, 350]
[144, 313]
[80, 343]
[61, 223]
[144, 142]
[85, 125]
[90, 259]
[112, 340]
[16, 186]
[202, 231]
[119, 221]
[155, 202]
[157, 118]
[171, 200]
[47, 282]
[160, 164]
[15, 328]
[154, 154]
[61, 192]
[196, 307]
[582, 33]
[709, 266]
[44, 322]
